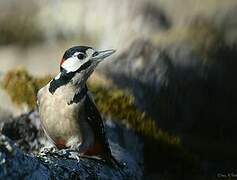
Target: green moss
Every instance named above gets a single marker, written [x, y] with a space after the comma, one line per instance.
[22, 87]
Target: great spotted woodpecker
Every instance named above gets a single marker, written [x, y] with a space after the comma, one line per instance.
[68, 114]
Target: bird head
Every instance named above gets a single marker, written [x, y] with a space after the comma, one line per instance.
[82, 59]
[77, 65]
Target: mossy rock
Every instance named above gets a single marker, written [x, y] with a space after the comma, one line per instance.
[22, 87]
[159, 146]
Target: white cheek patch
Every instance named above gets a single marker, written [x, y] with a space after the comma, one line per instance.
[72, 64]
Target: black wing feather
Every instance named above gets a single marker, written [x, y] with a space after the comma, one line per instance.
[96, 122]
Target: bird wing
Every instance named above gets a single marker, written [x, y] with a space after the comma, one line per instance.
[97, 125]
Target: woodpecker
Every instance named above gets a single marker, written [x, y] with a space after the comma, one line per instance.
[67, 111]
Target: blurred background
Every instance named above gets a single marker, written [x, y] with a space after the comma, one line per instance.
[177, 58]
[35, 34]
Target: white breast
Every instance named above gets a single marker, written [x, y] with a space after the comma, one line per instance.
[60, 120]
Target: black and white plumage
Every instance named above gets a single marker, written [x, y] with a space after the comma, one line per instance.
[68, 114]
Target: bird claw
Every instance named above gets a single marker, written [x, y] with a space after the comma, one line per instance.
[69, 154]
[74, 155]
[49, 150]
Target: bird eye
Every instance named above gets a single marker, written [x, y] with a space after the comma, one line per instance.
[95, 53]
[81, 56]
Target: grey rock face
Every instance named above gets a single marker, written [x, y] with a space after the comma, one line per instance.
[177, 87]
[144, 70]
[143, 65]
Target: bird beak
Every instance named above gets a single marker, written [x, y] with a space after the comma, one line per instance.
[100, 55]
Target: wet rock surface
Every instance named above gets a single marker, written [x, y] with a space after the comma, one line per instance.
[25, 153]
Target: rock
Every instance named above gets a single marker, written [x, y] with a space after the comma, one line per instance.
[138, 67]
[29, 159]
[25, 131]
[189, 93]
[126, 139]
[14, 164]
[181, 89]
[144, 71]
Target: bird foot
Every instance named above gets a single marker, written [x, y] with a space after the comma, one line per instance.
[47, 150]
